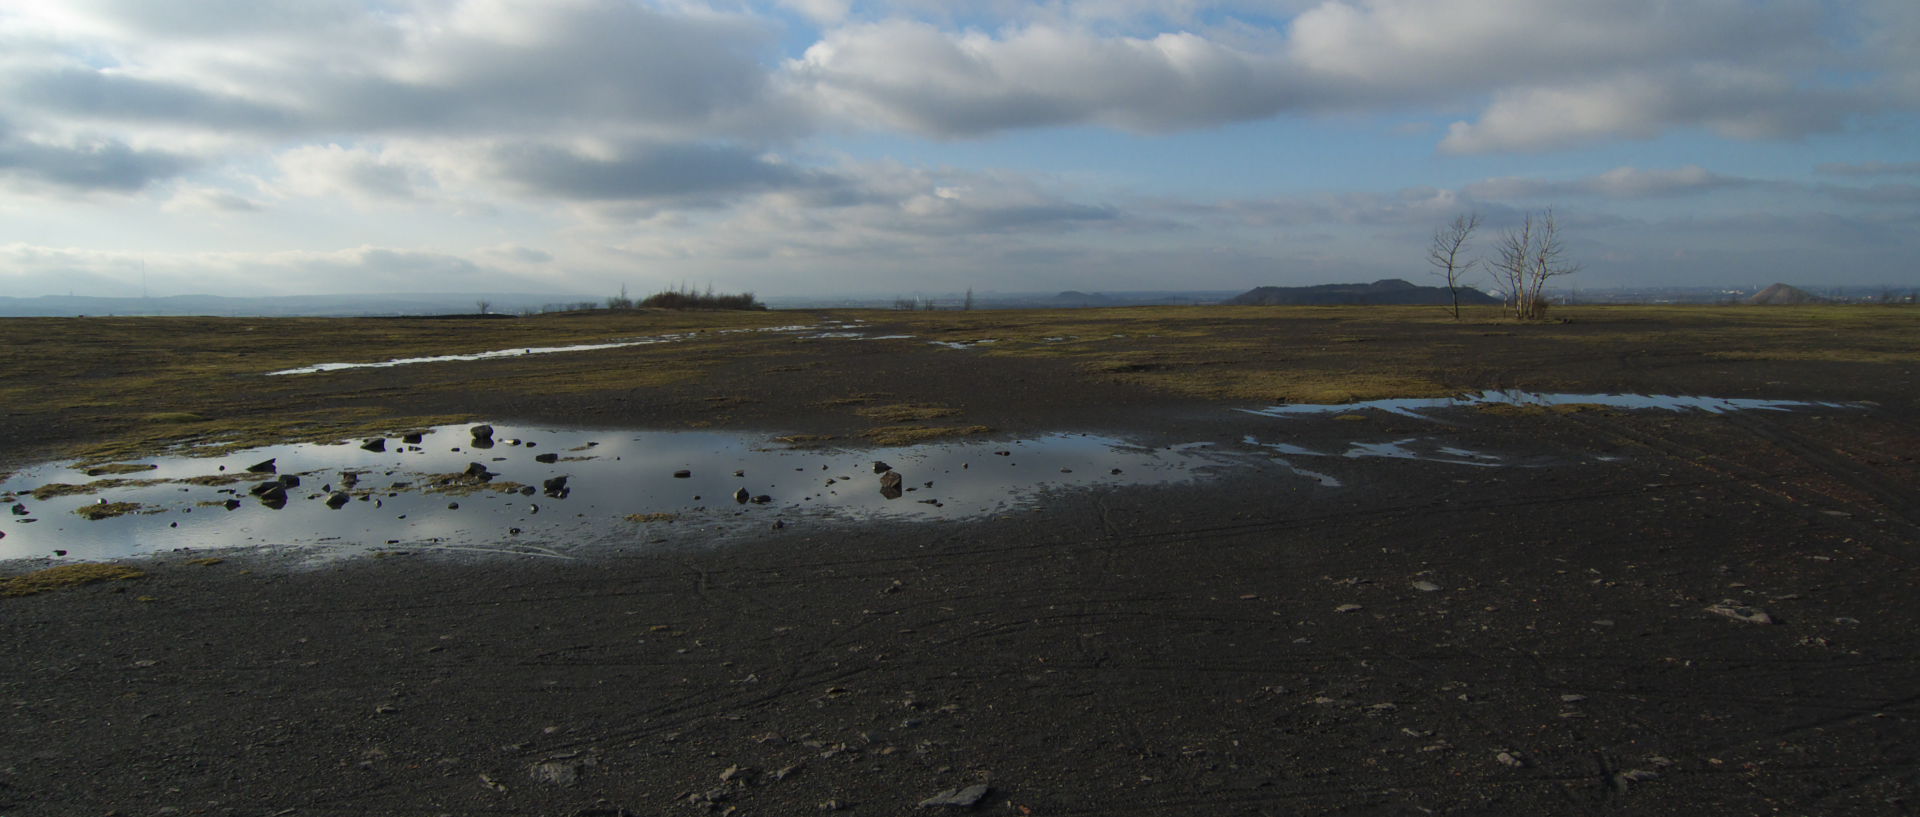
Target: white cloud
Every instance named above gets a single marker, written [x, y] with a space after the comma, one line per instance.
[28, 269]
[201, 199]
[1869, 168]
[916, 77]
[1732, 103]
[332, 170]
[826, 11]
[1620, 182]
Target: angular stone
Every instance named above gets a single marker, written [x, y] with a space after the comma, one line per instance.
[957, 798]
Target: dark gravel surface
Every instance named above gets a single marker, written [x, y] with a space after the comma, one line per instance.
[1429, 638]
[1426, 638]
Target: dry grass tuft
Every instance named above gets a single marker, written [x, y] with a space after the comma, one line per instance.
[107, 510]
[64, 576]
[909, 435]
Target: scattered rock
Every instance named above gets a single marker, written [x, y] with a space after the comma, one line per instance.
[338, 500]
[683, 474]
[375, 444]
[414, 438]
[19, 509]
[1623, 779]
[563, 773]
[266, 467]
[1511, 759]
[741, 496]
[556, 487]
[957, 798]
[548, 457]
[881, 467]
[482, 432]
[1740, 612]
[290, 480]
[1348, 608]
[271, 487]
[762, 499]
[479, 472]
[493, 784]
[1425, 586]
[1572, 698]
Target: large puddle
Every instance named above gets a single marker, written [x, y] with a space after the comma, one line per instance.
[825, 330]
[558, 492]
[543, 491]
[1415, 407]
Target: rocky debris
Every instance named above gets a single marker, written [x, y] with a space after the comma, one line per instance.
[479, 471]
[481, 432]
[290, 480]
[890, 485]
[375, 444]
[881, 467]
[548, 457]
[266, 467]
[562, 773]
[348, 479]
[264, 488]
[1348, 608]
[231, 504]
[414, 439]
[1511, 760]
[762, 499]
[338, 500]
[741, 496]
[683, 474]
[1425, 586]
[19, 509]
[556, 487]
[1740, 612]
[1621, 780]
[957, 798]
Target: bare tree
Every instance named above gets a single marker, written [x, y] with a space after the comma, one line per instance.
[1445, 252]
[483, 305]
[967, 305]
[1526, 258]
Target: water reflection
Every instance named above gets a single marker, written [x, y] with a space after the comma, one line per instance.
[1412, 407]
[618, 485]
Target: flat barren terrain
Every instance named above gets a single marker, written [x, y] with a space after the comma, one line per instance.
[1534, 604]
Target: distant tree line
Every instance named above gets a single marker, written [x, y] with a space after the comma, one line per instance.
[678, 298]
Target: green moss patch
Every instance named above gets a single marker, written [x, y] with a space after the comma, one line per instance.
[64, 576]
[107, 510]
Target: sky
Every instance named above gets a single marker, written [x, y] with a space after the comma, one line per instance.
[804, 147]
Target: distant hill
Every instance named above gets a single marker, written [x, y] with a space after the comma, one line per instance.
[1784, 295]
[1392, 291]
[1073, 297]
[280, 305]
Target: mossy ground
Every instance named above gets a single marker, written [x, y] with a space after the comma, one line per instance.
[64, 576]
[110, 390]
[107, 510]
